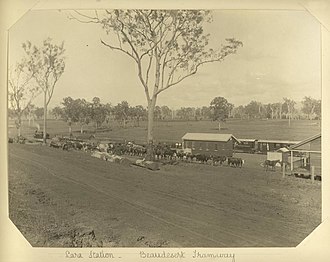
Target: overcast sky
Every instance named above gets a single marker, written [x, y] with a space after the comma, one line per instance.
[280, 58]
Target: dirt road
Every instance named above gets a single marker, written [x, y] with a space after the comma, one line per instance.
[58, 198]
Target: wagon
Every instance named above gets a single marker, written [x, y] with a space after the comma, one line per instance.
[261, 146]
[246, 145]
[40, 135]
[59, 142]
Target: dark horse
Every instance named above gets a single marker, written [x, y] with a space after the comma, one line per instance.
[271, 163]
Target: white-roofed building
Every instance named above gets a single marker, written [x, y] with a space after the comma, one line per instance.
[209, 143]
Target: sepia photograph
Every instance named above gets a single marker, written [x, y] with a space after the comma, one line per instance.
[164, 128]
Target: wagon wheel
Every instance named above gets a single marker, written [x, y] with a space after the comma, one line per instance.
[65, 146]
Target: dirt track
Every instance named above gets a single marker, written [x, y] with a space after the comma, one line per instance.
[53, 192]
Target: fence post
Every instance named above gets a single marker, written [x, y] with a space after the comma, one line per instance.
[313, 173]
[283, 170]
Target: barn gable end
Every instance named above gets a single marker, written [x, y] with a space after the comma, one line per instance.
[311, 147]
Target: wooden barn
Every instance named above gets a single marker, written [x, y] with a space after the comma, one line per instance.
[307, 155]
[209, 144]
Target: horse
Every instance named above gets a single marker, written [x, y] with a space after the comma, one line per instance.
[235, 162]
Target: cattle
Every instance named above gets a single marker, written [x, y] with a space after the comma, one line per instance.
[235, 162]
[77, 145]
[183, 156]
[168, 152]
[218, 160]
[88, 146]
[119, 149]
[202, 158]
[180, 154]
[135, 150]
[271, 163]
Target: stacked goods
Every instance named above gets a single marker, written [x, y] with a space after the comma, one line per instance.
[111, 158]
[148, 164]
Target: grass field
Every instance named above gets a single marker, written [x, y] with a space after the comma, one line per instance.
[70, 199]
[172, 131]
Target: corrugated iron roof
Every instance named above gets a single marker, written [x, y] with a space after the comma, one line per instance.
[307, 140]
[209, 137]
[278, 141]
[247, 139]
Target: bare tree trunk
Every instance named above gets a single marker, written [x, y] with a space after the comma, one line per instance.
[219, 125]
[18, 126]
[81, 129]
[150, 134]
[70, 130]
[45, 121]
[289, 120]
[18, 123]
[311, 113]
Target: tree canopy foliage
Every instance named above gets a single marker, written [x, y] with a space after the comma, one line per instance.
[21, 91]
[46, 63]
[170, 44]
[167, 46]
[220, 108]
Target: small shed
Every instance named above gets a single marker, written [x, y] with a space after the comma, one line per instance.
[307, 155]
[280, 154]
[209, 143]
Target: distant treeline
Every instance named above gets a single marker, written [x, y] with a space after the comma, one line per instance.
[85, 112]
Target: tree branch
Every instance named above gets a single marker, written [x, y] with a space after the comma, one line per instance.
[118, 49]
[148, 69]
[94, 20]
[189, 74]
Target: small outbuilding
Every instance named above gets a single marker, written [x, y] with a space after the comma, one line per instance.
[281, 154]
[209, 144]
[307, 155]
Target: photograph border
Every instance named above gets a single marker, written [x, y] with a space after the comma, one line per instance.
[14, 247]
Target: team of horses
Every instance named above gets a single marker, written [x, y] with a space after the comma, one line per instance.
[161, 151]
